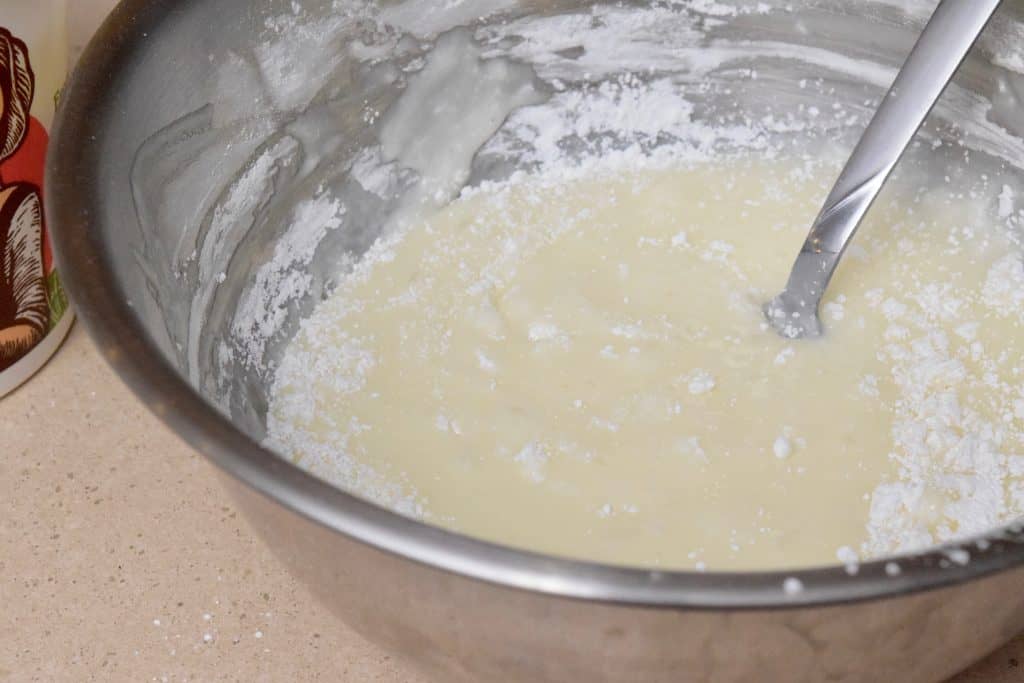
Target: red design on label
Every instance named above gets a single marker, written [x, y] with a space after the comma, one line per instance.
[28, 165]
[25, 315]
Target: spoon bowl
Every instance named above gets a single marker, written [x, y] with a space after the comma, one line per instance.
[950, 34]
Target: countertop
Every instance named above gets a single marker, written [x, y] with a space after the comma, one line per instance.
[122, 559]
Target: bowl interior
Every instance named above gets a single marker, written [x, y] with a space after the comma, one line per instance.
[227, 123]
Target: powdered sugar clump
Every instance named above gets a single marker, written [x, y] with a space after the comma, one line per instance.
[533, 458]
[1004, 287]
[956, 462]
[701, 382]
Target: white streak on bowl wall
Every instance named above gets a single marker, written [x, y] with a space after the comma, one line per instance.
[263, 307]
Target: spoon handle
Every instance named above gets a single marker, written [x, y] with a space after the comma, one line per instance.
[951, 32]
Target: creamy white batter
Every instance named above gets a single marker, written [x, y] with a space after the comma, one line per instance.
[582, 368]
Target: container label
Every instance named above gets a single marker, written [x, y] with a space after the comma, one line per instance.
[32, 301]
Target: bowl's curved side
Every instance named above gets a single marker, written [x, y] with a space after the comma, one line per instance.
[124, 88]
[459, 629]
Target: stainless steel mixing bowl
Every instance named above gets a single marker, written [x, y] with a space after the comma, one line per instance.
[175, 103]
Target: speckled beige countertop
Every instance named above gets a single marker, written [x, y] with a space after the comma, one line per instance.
[122, 559]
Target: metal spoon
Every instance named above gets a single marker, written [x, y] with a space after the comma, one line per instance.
[952, 30]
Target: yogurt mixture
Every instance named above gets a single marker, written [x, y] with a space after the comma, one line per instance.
[581, 367]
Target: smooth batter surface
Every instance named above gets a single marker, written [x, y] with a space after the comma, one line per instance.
[581, 367]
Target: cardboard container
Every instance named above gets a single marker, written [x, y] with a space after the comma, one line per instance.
[34, 315]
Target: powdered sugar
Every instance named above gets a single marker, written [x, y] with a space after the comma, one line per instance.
[700, 382]
[533, 458]
[956, 475]
[783, 447]
[283, 279]
[1003, 293]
